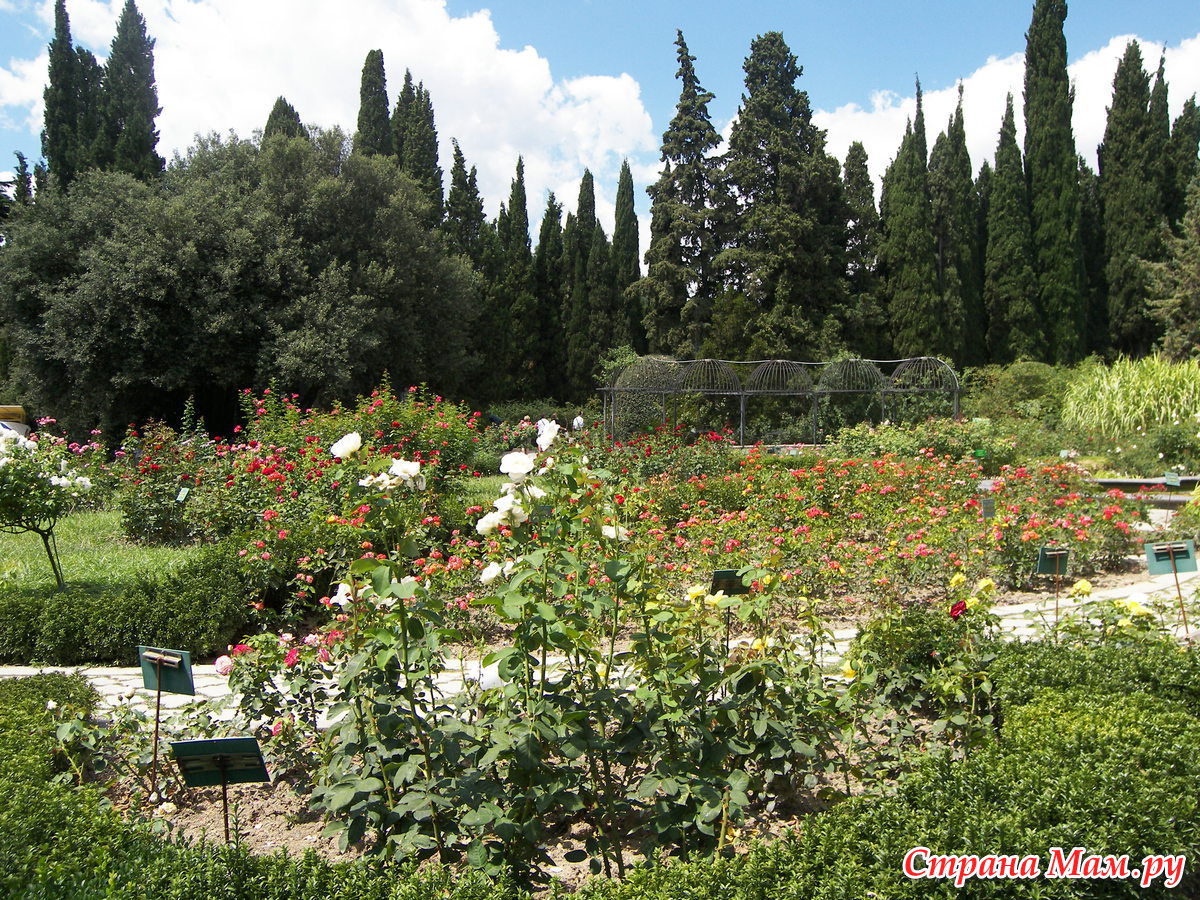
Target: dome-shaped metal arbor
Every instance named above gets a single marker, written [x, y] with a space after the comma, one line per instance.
[626, 394]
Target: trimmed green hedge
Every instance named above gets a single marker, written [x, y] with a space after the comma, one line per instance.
[201, 607]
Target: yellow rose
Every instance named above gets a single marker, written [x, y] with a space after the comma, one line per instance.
[848, 671]
[957, 580]
[985, 585]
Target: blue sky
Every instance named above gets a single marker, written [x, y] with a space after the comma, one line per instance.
[574, 83]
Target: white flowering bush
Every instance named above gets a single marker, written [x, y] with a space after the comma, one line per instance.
[37, 488]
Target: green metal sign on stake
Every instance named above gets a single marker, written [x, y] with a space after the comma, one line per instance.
[233, 760]
[223, 761]
[1052, 561]
[1171, 479]
[168, 670]
[1171, 556]
[164, 670]
[987, 506]
[728, 582]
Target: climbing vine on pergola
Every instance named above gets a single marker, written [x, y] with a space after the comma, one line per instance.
[897, 389]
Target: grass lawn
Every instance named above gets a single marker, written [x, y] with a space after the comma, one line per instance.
[95, 556]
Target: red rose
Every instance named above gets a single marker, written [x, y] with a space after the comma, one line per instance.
[958, 609]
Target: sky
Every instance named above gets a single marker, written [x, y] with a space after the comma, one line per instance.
[575, 84]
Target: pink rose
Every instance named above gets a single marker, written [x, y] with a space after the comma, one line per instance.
[292, 656]
[223, 665]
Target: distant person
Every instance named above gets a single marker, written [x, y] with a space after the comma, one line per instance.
[577, 424]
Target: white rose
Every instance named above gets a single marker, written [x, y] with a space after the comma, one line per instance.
[490, 522]
[615, 532]
[547, 435]
[516, 465]
[347, 445]
[402, 468]
[491, 572]
[343, 597]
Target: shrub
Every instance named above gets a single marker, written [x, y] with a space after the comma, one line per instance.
[201, 607]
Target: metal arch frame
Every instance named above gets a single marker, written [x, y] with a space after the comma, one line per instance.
[669, 377]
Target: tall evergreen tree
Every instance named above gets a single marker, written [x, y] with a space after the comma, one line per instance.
[127, 138]
[1052, 177]
[284, 120]
[418, 147]
[1178, 285]
[1091, 231]
[787, 237]
[680, 284]
[514, 286]
[61, 118]
[578, 243]
[548, 290]
[625, 266]
[866, 324]
[953, 201]
[89, 127]
[465, 222]
[1159, 148]
[22, 181]
[1010, 285]
[1185, 141]
[922, 324]
[374, 133]
[1129, 186]
[405, 101]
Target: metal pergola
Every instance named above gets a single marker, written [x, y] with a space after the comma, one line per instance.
[891, 382]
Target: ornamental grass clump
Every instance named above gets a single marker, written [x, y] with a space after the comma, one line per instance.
[1131, 396]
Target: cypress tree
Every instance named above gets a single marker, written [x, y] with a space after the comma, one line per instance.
[866, 322]
[22, 182]
[1091, 230]
[952, 198]
[1052, 177]
[89, 127]
[1010, 285]
[127, 138]
[921, 323]
[465, 222]
[787, 237]
[680, 283]
[548, 291]
[1185, 141]
[1178, 305]
[374, 133]
[1129, 187]
[626, 270]
[419, 153]
[1158, 149]
[578, 243]
[284, 120]
[514, 286]
[405, 101]
[61, 117]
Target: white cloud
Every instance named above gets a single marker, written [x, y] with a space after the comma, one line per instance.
[21, 86]
[881, 127]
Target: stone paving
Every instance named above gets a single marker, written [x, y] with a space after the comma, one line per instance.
[118, 685]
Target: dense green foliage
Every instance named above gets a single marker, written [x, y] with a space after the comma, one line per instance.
[324, 268]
